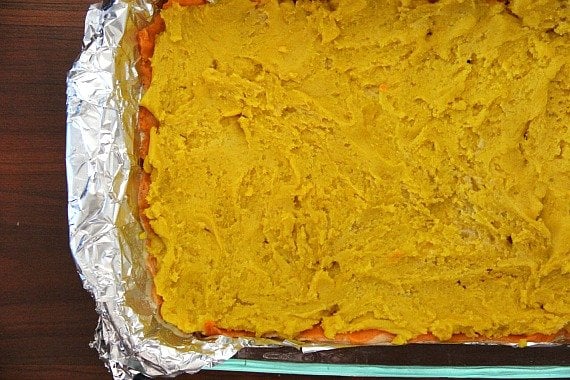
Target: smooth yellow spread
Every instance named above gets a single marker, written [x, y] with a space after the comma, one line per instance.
[398, 165]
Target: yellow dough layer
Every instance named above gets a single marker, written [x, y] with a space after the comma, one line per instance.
[393, 165]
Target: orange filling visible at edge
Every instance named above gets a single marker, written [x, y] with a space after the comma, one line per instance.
[146, 40]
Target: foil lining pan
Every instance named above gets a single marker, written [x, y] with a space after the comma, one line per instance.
[103, 93]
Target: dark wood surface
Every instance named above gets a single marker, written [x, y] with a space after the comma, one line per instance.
[47, 320]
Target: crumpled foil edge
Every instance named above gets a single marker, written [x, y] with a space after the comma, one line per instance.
[102, 101]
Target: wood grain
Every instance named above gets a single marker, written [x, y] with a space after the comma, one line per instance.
[47, 320]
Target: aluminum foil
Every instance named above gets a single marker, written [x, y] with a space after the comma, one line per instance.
[102, 103]
[103, 93]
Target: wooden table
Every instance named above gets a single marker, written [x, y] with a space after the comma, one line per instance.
[46, 319]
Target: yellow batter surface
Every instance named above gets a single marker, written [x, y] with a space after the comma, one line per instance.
[401, 165]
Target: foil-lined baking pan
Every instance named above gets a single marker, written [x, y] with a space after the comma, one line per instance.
[102, 170]
[103, 92]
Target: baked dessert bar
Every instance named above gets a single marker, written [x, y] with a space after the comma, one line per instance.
[322, 169]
